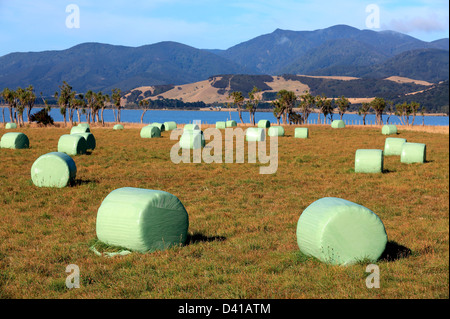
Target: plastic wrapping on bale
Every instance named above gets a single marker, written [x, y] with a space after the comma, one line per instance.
[231, 123]
[118, 127]
[263, 123]
[369, 161]
[80, 129]
[389, 129]
[338, 124]
[9, 126]
[393, 146]
[84, 125]
[413, 153]
[142, 220]
[340, 232]
[221, 125]
[275, 131]
[301, 132]
[53, 170]
[73, 144]
[192, 139]
[14, 140]
[255, 134]
[160, 126]
[150, 132]
[170, 126]
[191, 127]
[90, 140]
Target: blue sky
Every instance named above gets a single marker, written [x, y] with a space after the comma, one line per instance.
[38, 25]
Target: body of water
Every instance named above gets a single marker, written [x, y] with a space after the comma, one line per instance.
[211, 117]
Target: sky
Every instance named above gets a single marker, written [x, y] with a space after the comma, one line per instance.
[39, 25]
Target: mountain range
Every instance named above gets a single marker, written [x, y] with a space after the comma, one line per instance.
[338, 50]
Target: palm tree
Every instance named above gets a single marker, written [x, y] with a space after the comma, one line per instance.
[378, 104]
[414, 109]
[116, 101]
[252, 104]
[364, 110]
[327, 109]
[238, 101]
[343, 104]
[65, 98]
[307, 104]
[22, 98]
[31, 99]
[287, 99]
[10, 97]
[403, 111]
[144, 105]
[278, 110]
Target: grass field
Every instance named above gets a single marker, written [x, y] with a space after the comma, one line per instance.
[242, 232]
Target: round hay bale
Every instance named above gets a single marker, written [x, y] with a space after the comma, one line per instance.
[142, 220]
[413, 153]
[231, 123]
[301, 132]
[84, 125]
[393, 146]
[340, 232]
[150, 132]
[80, 129]
[369, 161]
[192, 139]
[10, 125]
[118, 127]
[221, 125]
[160, 126]
[170, 126]
[389, 129]
[255, 134]
[338, 124]
[90, 140]
[72, 144]
[191, 127]
[14, 140]
[263, 123]
[53, 170]
[276, 131]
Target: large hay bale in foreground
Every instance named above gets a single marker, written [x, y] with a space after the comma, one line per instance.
[118, 127]
[275, 131]
[191, 127]
[53, 169]
[221, 125]
[14, 140]
[192, 139]
[369, 161]
[72, 144]
[389, 129]
[170, 126]
[231, 123]
[80, 129]
[264, 123]
[160, 126]
[142, 220]
[340, 232]
[10, 125]
[255, 134]
[393, 146]
[90, 140]
[84, 125]
[338, 124]
[413, 153]
[301, 132]
[150, 132]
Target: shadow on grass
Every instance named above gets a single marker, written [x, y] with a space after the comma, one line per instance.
[395, 251]
[387, 171]
[78, 182]
[200, 238]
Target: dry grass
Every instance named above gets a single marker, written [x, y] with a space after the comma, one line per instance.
[242, 224]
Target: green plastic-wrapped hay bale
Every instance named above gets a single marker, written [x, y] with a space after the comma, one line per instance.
[413, 153]
[170, 126]
[10, 125]
[192, 139]
[393, 146]
[150, 132]
[221, 125]
[80, 129]
[14, 140]
[231, 123]
[118, 127]
[53, 169]
[84, 125]
[72, 144]
[338, 124]
[255, 134]
[389, 129]
[191, 127]
[369, 161]
[263, 123]
[301, 132]
[160, 126]
[275, 131]
[340, 232]
[90, 140]
[142, 220]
